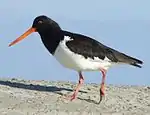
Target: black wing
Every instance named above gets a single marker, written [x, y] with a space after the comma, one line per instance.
[89, 47]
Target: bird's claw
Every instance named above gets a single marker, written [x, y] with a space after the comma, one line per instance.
[69, 97]
[72, 97]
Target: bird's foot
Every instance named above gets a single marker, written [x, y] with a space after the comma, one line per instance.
[69, 97]
[73, 96]
[102, 94]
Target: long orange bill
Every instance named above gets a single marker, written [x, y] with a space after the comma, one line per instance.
[29, 31]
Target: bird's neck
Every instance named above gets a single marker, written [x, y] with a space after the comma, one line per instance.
[51, 39]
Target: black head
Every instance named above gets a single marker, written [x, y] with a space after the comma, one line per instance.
[43, 23]
[45, 26]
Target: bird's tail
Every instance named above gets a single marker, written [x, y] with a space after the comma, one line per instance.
[131, 60]
[136, 62]
[123, 58]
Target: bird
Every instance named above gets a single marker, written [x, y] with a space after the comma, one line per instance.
[77, 51]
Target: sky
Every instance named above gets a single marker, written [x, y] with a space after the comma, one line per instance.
[120, 24]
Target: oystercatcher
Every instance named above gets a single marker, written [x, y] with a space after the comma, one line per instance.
[76, 51]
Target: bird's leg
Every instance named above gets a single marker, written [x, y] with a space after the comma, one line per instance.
[81, 79]
[102, 88]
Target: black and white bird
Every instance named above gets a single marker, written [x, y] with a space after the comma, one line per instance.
[76, 51]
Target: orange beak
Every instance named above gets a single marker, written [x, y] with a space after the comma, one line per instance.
[29, 31]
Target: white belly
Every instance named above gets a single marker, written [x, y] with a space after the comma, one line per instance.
[78, 62]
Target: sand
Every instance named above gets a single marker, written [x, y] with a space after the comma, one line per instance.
[26, 97]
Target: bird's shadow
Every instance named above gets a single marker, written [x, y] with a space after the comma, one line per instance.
[90, 101]
[53, 89]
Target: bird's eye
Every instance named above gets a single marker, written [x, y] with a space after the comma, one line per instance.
[40, 22]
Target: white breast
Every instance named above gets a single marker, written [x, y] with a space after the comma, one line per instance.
[78, 62]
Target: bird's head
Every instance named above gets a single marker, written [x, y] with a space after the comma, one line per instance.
[40, 24]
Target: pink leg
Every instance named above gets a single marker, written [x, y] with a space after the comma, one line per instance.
[81, 79]
[102, 88]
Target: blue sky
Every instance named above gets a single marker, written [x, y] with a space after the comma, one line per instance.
[123, 25]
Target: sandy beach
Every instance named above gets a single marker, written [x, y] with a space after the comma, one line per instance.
[29, 97]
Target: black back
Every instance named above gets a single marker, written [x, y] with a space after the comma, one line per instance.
[88, 47]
